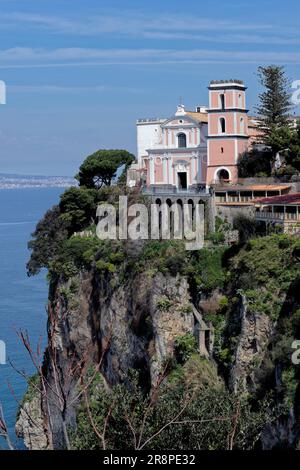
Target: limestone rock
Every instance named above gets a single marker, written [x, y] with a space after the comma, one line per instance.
[30, 425]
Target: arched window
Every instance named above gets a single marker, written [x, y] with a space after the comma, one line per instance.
[223, 175]
[181, 140]
[222, 101]
[242, 126]
[222, 125]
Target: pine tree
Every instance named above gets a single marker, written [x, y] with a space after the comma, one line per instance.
[275, 104]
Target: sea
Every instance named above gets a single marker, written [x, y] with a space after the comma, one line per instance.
[23, 299]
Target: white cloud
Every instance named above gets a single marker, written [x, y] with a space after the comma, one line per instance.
[29, 57]
[70, 89]
[167, 27]
[132, 23]
[224, 38]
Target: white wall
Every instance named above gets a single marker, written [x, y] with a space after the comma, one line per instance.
[148, 136]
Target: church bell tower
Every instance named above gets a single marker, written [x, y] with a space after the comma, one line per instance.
[227, 130]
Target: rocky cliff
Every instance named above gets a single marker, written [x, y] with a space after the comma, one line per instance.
[123, 324]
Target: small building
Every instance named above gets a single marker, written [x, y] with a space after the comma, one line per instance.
[245, 195]
[255, 133]
[283, 210]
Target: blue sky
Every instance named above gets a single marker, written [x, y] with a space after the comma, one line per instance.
[79, 73]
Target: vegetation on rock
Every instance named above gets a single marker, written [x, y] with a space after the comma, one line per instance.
[183, 412]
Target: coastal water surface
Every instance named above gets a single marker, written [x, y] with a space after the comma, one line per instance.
[22, 299]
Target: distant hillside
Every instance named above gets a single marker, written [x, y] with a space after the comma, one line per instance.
[14, 181]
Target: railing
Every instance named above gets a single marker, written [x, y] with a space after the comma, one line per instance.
[225, 182]
[149, 120]
[292, 216]
[276, 216]
[222, 199]
[172, 191]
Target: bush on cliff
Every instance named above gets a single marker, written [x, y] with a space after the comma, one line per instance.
[185, 347]
[204, 267]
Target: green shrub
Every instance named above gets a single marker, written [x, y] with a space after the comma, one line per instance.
[206, 269]
[225, 357]
[32, 392]
[217, 238]
[296, 250]
[103, 266]
[80, 250]
[164, 304]
[117, 257]
[223, 302]
[167, 256]
[264, 271]
[185, 346]
[124, 409]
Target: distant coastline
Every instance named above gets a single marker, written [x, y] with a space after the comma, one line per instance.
[14, 181]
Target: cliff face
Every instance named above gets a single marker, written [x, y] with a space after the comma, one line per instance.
[136, 323]
[254, 349]
[255, 332]
[129, 326]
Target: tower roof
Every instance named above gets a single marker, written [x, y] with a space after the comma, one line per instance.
[230, 83]
[218, 82]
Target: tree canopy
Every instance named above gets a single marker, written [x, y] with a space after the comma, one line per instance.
[255, 163]
[47, 238]
[278, 135]
[100, 168]
[287, 141]
[274, 101]
[78, 207]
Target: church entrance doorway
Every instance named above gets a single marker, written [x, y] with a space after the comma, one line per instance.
[182, 180]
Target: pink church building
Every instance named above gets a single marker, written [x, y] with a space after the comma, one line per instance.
[194, 149]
